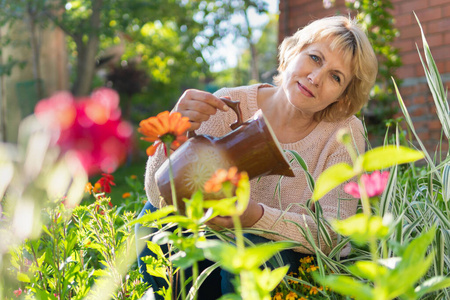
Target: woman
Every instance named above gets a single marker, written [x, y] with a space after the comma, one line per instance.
[326, 71]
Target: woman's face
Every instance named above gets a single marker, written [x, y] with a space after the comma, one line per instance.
[316, 77]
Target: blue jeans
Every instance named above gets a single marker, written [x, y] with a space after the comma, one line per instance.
[219, 282]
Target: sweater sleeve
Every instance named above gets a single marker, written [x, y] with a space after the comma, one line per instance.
[335, 205]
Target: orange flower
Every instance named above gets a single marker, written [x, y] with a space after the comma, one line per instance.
[291, 296]
[126, 195]
[88, 188]
[221, 176]
[312, 268]
[306, 260]
[97, 187]
[165, 128]
[133, 177]
[278, 296]
[313, 291]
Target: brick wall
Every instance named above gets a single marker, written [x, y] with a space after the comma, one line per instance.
[434, 16]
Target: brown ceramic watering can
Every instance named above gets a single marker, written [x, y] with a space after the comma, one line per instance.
[251, 147]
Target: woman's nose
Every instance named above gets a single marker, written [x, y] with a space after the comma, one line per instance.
[315, 77]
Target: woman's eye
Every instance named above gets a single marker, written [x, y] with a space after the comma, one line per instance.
[315, 58]
[336, 78]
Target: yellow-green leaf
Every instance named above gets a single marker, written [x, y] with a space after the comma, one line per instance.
[22, 277]
[388, 156]
[361, 228]
[331, 178]
[242, 194]
[368, 270]
[268, 279]
[223, 207]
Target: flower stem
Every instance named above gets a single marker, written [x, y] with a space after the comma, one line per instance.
[364, 198]
[238, 233]
[175, 204]
[367, 210]
[195, 277]
[239, 244]
[172, 183]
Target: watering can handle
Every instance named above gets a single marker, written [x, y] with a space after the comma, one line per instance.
[235, 106]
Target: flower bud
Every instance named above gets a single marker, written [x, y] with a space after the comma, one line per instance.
[344, 136]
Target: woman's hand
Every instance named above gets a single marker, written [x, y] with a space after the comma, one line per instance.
[252, 214]
[198, 106]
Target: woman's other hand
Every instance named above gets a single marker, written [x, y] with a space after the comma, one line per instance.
[198, 106]
[252, 214]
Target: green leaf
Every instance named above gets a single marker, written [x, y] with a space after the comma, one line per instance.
[413, 266]
[302, 163]
[182, 221]
[222, 207]
[101, 273]
[220, 252]
[388, 156]
[157, 271]
[235, 262]
[242, 194]
[368, 270]
[431, 285]
[331, 178]
[194, 206]
[417, 249]
[345, 285]
[22, 277]
[187, 258]
[361, 228]
[149, 217]
[268, 279]
[155, 248]
[256, 255]
[403, 278]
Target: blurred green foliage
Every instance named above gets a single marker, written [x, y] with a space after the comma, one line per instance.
[376, 18]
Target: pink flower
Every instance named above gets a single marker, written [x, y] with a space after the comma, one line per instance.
[90, 127]
[374, 184]
[18, 292]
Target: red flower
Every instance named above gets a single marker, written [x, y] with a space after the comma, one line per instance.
[374, 184]
[105, 182]
[165, 128]
[90, 127]
[18, 292]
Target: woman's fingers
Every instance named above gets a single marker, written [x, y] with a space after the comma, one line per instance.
[198, 106]
[220, 222]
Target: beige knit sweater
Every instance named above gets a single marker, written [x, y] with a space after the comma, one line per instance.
[319, 149]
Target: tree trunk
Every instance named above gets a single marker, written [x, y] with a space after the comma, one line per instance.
[87, 52]
[34, 50]
[253, 52]
[254, 66]
[3, 106]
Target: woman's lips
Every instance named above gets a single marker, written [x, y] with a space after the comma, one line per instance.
[304, 90]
